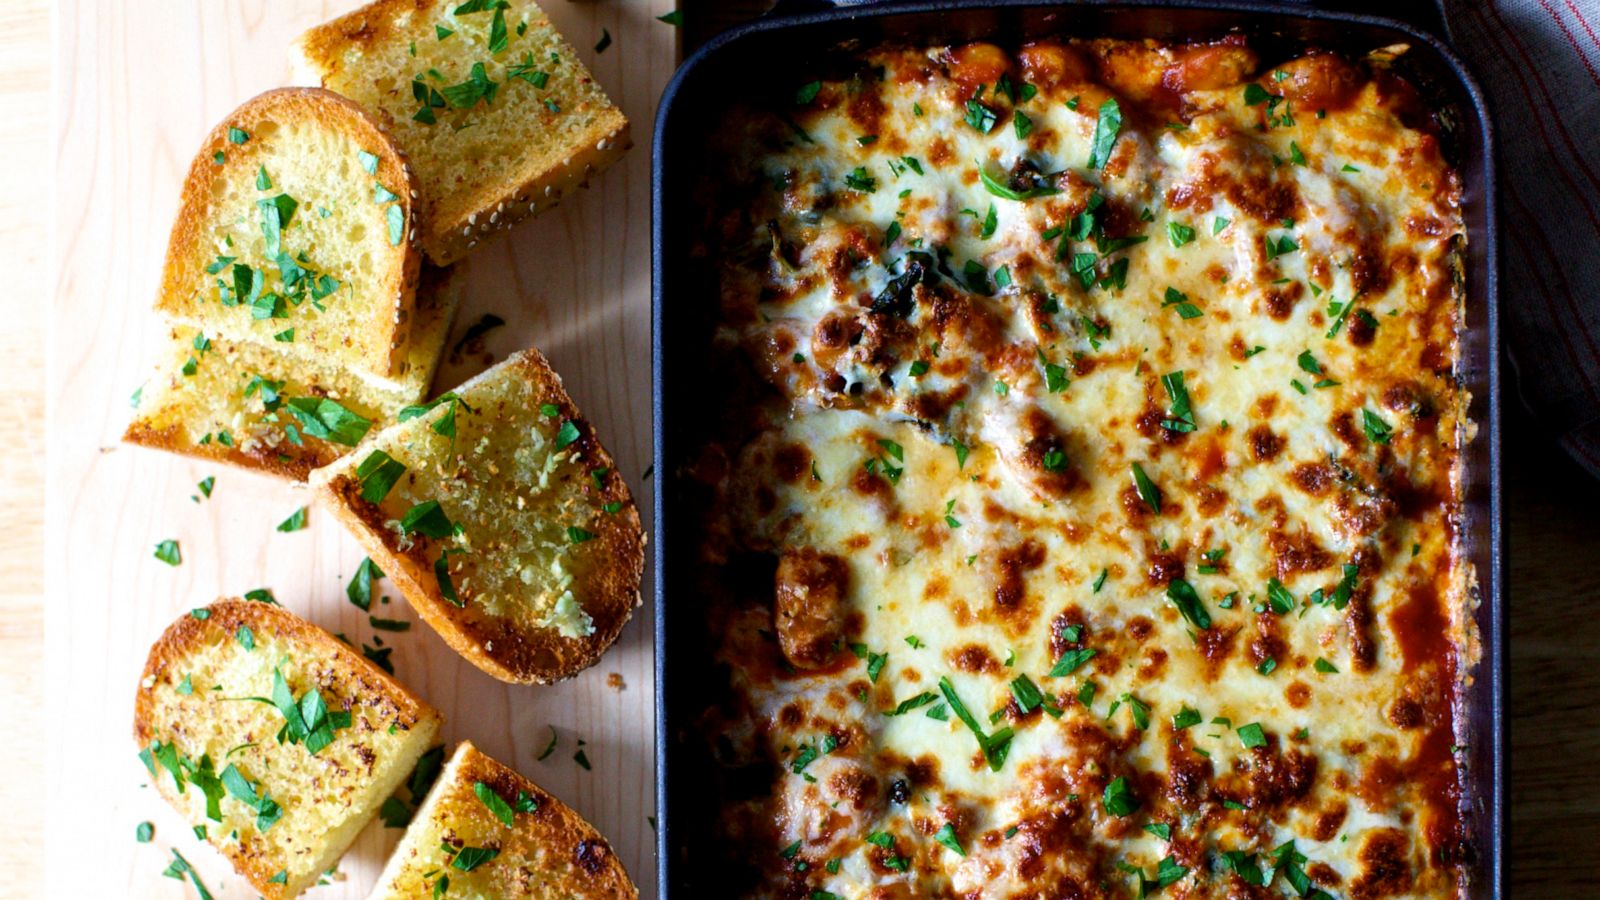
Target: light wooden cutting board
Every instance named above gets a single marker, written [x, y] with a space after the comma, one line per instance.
[137, 87]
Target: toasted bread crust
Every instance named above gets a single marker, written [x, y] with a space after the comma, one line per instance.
[342, 665]
[553, 838]
[496, 645]
[437, 302]
[447, 238]
[269, 461]
[456, 224]
[382, 347]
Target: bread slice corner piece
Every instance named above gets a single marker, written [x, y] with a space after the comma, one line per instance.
[498, 115]
[502, 519]
[299, 212]
[254, 406]
[486, 831]
[282, 801]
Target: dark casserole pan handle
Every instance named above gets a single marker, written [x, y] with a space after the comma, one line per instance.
[1427, 15]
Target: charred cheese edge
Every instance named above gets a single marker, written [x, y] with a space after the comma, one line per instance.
[1112, 471]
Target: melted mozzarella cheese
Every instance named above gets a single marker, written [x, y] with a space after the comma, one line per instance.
[971, 447]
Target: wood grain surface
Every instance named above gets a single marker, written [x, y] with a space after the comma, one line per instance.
[138, 86]
[24, 214]
[132, 93]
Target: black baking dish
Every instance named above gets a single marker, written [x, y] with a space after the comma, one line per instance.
[681, 292]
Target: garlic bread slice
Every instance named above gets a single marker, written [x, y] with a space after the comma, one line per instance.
[298, 214]
[486, 831]
[498, 115]
[253, 406]
[275, 738]
[502, 519]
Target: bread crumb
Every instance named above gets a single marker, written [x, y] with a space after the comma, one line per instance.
[615, 682]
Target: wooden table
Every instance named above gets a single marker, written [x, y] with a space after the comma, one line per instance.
[135, 93]
[139, 85]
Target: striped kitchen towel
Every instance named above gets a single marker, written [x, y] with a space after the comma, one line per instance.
[1539, 63]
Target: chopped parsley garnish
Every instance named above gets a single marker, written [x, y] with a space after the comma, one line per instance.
[1005, 191]
[1118, 799]
[167, 551]
[378, 474]
[946, 835]
[179, 867]
[1179, 233]
[1105, 134]
[1244, 866]
[860, 180]
[427, 518]
[991, 221]
[893, 861]
[1177, 298]
[875, 661]
[1183, 596]
[995, 746]
[807, 93]
[1139, 709]
[909, 704]
[469, 858]
[295, 522]
[1308, 363]
[441, 576]
[276, 213]
[566, 435]
[1186, 718]
[1325, 667]
[1028, 695]
[1282, 246]
[1279, 597]
[467, 94]
[980, 117]
[359, 590]
[495, 804]
[1021, 124]
[266, 809]
[425, 773]
[1148, 492]
[1377, 430]
[327, 420]
[1255, 95]
[1252, 736]
[395, 813]
[307, 720]
[961, 452]
[1071, 660]
[1180, 415]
